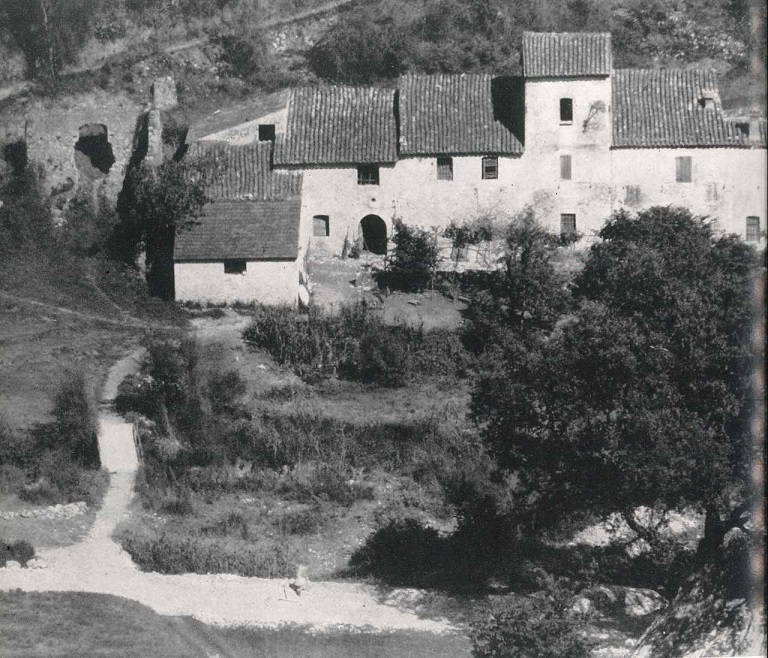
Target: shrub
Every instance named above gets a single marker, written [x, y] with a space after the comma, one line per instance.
[171, 554]
[402, 553]
[21, 551]
[542, 627]
[414, 259]
[75, 420]
[302, 521]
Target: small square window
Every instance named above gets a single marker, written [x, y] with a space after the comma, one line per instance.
[565, 167]
[267, 132]
[234, 267]
[567, 224]
[753, 229]
[321, 226]
[368, 174]
[444, 168]
[684, 169]
[490, 168]
[566, 110]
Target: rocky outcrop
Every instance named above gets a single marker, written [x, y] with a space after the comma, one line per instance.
[718, 612]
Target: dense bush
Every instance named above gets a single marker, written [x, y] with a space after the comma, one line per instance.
[171, 554]
[75, 420]
[539, 627]
[354, 344]
[20, 551]
[413, 260]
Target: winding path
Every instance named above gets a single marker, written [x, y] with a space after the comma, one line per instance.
[98, 564]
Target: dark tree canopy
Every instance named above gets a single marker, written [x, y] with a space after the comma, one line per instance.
[642, 397]
[155, 203]
[50, 33]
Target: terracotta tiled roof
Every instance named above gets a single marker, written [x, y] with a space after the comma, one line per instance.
[452, 114]
[251, 230]
[339, 125]
[740, 129]
[566, 55]
[661, 108]
[237, 114]
[244, 172]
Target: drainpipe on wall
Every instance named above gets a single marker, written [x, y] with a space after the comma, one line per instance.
[754, 128]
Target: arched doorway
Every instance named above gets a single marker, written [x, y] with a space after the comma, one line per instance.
[373, 230]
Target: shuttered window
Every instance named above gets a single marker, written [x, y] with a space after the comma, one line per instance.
[567, 224]
[753, 229]
[565, 167]
[444, 168]
[684, 169]
[490, 168]
[566, 110]
[321, 225]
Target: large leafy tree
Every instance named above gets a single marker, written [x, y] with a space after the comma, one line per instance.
[643, 397]
[155, 203]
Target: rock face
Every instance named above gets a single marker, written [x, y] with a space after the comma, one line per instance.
[719, 611]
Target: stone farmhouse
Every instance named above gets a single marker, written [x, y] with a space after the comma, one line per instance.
[572, 137]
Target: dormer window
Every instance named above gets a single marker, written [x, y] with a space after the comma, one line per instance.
[368, 174]
[707, 99]
[566, 111]
[267, 132]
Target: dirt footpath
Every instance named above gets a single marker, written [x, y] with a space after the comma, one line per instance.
[98, 564]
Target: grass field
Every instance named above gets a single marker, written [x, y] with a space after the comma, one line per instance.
[64, 624]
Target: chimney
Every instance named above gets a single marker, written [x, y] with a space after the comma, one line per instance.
[707, 99]
[754, 127]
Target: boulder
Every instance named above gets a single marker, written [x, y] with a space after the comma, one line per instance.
[642, 602]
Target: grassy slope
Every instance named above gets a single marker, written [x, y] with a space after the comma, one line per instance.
[39, 342]
[76, 624]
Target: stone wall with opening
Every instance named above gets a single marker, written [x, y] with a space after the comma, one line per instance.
[72, 136]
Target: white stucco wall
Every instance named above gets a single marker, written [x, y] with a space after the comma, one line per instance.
[267, 282]
[727, 184]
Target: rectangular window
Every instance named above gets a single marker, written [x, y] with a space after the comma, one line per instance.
[267, 132]
[368, 174]
[565, 167]
[567, 224]
[684, 169]
[566, 110]
[321, 226]
[444, 168]
[234, 267]
[753, 229]
[490, 168]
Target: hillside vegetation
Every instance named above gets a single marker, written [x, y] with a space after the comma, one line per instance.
[222, 50]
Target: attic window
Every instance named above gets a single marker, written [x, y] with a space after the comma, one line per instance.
[234, 267]
[707, 100]
[267, 132]
[490, 168]
[444, 168]
[368, 174]
[566, 111]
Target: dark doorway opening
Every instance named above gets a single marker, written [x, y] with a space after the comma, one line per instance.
[93, 152]
[374, 233]
[267, 132]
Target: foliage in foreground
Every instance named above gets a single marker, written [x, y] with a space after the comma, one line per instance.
[57, 462]
[172, 554]
[643, 397]
[542, 627]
